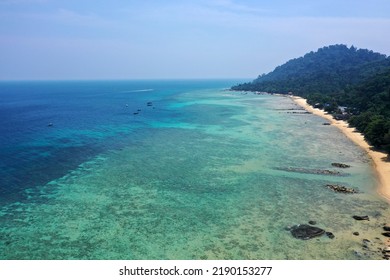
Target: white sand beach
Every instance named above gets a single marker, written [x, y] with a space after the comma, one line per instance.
[381, 166]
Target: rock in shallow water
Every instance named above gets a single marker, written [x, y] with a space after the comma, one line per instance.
[340, 189]
[386, 250]
[340, 165]
[305, 232]
[312, 171]
[330, 235]
[361, 218]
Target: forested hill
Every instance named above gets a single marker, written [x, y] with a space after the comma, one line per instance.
[350, 83]
[329, 70]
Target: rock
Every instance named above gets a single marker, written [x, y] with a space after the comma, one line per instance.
[386, 228]
[361, 218]
[328, 172]
[387, 234]
[386, 250]
[312, 222]
[306, 232]
[312, 171]
[358, 254]
[340, 165]
[366, 241]
[341, 189]
[356, 233]
[330, 235]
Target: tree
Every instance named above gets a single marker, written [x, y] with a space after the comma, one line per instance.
[376, 130]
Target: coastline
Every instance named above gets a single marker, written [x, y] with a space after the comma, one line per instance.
[381, 167]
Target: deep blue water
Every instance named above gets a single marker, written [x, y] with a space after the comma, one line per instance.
[87, 117]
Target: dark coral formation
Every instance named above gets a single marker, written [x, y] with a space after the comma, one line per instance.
[341, 189]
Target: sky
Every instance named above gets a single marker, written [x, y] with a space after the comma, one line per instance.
[172, 39]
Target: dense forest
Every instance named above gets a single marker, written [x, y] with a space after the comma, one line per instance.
[350, 83]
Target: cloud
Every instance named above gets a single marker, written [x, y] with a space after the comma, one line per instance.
[231, 6]
[16, 2]
[75, 18]
[50, 16]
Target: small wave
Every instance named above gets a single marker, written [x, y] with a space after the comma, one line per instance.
[138, 90]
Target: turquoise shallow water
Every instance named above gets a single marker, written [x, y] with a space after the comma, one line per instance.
[206, 174]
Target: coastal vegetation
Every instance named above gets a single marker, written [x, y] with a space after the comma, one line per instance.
[349, 83]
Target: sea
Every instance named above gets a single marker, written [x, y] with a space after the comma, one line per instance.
[176, 170]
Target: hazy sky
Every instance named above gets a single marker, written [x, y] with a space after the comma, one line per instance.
[85, 39]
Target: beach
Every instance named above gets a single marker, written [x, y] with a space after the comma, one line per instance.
[381, 166]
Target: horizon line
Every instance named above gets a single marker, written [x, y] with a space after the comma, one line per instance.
[120, 79]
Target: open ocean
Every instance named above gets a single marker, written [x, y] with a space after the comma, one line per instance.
[91, 170]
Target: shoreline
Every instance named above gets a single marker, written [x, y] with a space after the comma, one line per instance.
[382, 168]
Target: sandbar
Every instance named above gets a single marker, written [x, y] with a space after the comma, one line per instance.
[381, 166]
